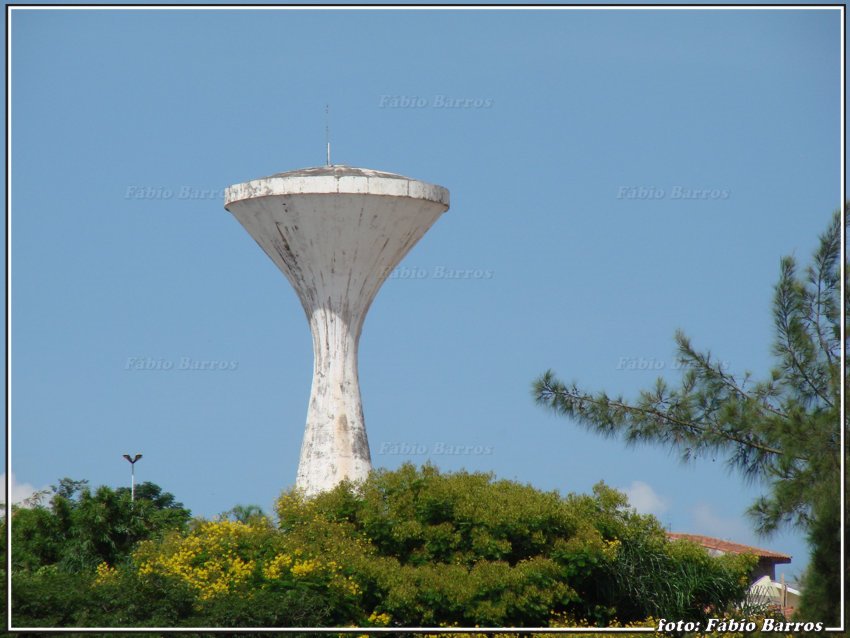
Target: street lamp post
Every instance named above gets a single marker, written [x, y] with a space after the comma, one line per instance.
[133, 474]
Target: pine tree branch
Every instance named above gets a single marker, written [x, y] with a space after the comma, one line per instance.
[823, 276]
[805, 376]
[727, 380]
[829, 273]
[564, 395]
[783, 318]
[818, 330]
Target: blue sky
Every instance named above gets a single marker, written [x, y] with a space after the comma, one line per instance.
[128, 125]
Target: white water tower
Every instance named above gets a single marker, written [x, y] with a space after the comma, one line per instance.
[336, 232]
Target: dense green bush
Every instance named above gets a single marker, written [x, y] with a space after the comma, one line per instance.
[79, 529]
[469, 550]
[411, 547]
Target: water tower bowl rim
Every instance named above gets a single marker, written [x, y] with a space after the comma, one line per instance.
[336, 179]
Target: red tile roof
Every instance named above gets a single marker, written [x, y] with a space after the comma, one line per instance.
[727, 547]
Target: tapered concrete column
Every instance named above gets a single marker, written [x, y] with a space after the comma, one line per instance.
[336, 232]
[335, 443]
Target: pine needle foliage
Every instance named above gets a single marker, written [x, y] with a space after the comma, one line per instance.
[782, 430]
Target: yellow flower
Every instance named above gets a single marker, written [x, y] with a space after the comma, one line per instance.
[304, 567]
[379, 620]
[104, 574]
[207, 559]
[276, 567]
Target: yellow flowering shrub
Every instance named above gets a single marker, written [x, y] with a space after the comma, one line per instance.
[379, 620]
[415, 548]
[213, 559]
[304, 567]
[222, 557]
[277, 566]
[104, 574]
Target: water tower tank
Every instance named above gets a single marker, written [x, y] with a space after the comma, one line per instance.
[336, 232]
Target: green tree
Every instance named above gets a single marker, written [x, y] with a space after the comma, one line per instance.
[783, 430]
[467, 549]
[81, 529]
[412, 547]
[56, 549]
[104, 526]
[244, 513]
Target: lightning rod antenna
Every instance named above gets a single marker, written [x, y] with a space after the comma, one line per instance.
[328, 134]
